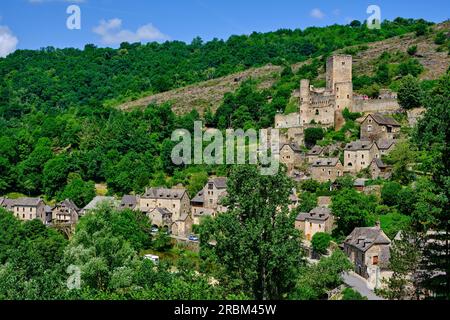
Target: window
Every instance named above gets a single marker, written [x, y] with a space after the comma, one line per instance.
[375, 260]
[369, 128]
[317, 112]
[31, 217]
[348, 96]
[210, 186]
[389, 129]
[31, 210]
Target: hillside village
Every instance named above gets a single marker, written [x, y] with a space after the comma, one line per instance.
[350, 158]
[173, 211]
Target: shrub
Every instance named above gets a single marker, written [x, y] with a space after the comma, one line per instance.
[320, 242]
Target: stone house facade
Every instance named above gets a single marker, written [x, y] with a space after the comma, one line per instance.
[65, 212]
[175, 201]
[368, 249]
[290, 155]
[28, 209]
[359, 154]
[207, 202]
[326, 169]
[378, 169]
[317, 220]
[377, 126]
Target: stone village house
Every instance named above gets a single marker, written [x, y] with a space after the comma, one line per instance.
[326, 169]
[317, 220]
[174, 200]
[377, 126]
[359, 154]
[207, 202]
[369, 250]
[65, 212]
[26, 209]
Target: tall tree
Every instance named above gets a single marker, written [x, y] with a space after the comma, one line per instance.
[256, 245]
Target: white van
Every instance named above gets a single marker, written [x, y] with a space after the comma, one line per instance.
[152, 257]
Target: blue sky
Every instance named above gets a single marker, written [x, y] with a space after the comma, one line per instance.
[32, 24]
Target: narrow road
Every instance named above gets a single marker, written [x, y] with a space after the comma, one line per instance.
[359, 284]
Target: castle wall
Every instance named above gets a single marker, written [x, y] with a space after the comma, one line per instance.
[375, 105]
[287, 120]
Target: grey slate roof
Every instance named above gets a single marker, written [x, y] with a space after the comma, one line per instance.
[317, 214]
[6, 203]
[164, 193]
[128, 201]
[379, 163]
[316, 150]
[294, 146]
[97, 200]
[198, 197]
[359, 145]
[69, 204]
[27, 202]
[383, 120]
[384, 144]
[164, 212]
[326, 162]
[219, 182]
[360, 182]
[364, 238]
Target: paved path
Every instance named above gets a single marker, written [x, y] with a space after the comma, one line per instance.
[359, 284]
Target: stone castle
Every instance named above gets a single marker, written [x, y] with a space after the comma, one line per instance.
[324, 106]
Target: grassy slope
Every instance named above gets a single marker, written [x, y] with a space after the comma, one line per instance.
[210, 93]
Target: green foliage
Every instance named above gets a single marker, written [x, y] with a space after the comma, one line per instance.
[390, 193]
[79, 191]
[353, 210]
[350, 294]
[315, 280]
[312, 135]
[257, 213]
[393, 222]
[320, 242]
[308, 201]
[412, 50]
[440, 38]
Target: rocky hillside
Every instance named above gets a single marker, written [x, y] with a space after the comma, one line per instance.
[210, 93]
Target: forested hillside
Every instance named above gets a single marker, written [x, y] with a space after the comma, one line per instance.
[59, 134]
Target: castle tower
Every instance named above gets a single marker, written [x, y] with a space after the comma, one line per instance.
[305, 97]
[339, 69]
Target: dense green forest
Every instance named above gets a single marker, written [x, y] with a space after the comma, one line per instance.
[59, 133]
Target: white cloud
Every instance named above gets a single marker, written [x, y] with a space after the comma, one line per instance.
[337, 12]
[317, 13]
[8, 42]
[111, 33]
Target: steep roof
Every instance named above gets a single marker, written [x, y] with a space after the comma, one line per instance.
[366, 237]
[164, 193]
[27, 202]
[129, 201]
[326, 162]
[294, 146]
[360, 182]
[6, 203]
[316, 150]
[359, 145]
[198, 197]
[69, 204]
[162, 211]
[383, 120]
[379, 163]
[385, 144]
[317, 214]
[219, 182]
[97, 200]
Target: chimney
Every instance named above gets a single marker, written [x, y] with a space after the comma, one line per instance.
[378, 225]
